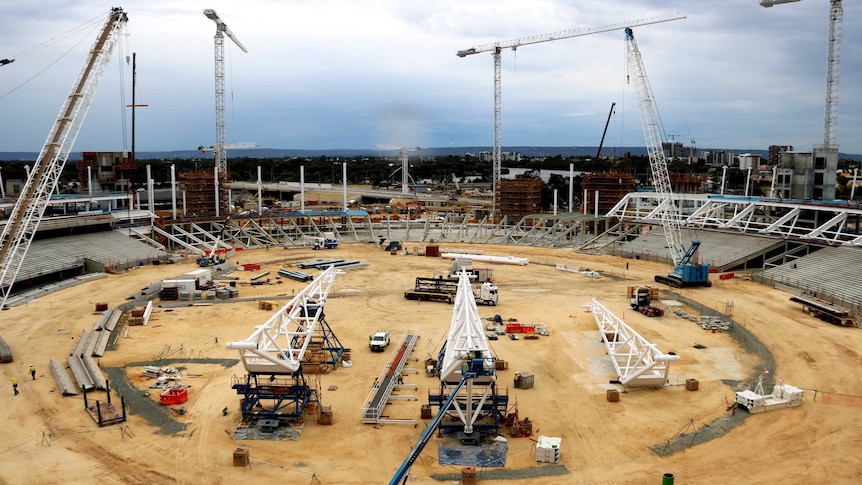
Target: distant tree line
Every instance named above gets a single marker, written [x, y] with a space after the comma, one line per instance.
[382, 171]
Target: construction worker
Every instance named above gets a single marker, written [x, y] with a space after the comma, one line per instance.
[15, 385]
[375, 382]
[33, 371]
[400, 378]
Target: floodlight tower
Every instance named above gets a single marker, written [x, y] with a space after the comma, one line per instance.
[220, 168]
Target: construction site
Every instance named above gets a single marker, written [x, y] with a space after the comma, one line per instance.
[646, 337]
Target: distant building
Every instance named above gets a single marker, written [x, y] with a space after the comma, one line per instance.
[749, 161]
[504, 156]
[108, 171]
[678, 151]
[776, 153]
[608, 188]
[813, 174]
[718, 158]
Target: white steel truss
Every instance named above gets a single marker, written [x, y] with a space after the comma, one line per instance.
[465, 343]
[638, 362]
[27, 213]
[831, 224]
[278, 346]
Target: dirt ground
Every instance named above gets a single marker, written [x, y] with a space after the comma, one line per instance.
[48, 438]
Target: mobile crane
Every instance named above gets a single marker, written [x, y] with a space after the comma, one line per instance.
[686, 271]
[25, 217]
[213, 258]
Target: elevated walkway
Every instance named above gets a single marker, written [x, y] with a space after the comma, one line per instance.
[387, 383]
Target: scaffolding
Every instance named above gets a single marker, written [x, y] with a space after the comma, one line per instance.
[198, 189]
[518, 198]
[611, 187]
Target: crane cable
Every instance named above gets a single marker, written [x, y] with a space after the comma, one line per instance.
[91, 27]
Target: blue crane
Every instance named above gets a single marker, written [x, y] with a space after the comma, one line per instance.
[686, 271]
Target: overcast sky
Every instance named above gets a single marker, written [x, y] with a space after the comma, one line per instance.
[352, 74]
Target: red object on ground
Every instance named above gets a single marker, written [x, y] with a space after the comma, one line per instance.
[726, 276]
[174, 396]
[513, 327]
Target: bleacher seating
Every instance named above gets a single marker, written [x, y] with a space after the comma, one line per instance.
[109, 248]
[828, 272]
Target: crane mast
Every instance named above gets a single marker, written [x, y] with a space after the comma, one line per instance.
[221, 138]
[496, 50]
[686, 272]
[404, 155]
[25, 217]
[833, 73]
[833, 69]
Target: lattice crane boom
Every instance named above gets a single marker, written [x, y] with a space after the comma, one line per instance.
[496, 48]
[686, 271]
[25, 217]
[652, 135]
[232, 146]
[219, 147]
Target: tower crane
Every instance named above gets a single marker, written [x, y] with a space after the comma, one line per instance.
[833, 69]
[403, 153]
[496, 49]
[220, 169]
[43, 177]
[686, 271]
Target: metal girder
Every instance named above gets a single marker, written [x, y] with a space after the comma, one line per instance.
[638, 362]
[821, 223]
[279, 345]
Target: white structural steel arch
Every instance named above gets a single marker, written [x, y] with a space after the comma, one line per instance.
[278, 346]
[638, 362]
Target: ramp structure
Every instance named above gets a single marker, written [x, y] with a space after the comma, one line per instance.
[387, 382]
[638, 362]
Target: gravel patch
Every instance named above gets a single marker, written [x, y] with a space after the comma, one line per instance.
[139, 402]
[691, 435]
[540, 471]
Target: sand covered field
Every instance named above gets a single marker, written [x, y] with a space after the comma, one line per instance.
[49, 438]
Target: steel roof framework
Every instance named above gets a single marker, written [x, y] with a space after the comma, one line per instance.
[809, 222]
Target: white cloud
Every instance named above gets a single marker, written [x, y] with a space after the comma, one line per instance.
[351, 74]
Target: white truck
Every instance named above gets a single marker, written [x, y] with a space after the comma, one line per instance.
[379, 341]
[487, 294]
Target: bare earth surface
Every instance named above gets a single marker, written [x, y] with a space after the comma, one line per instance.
[48, 438]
